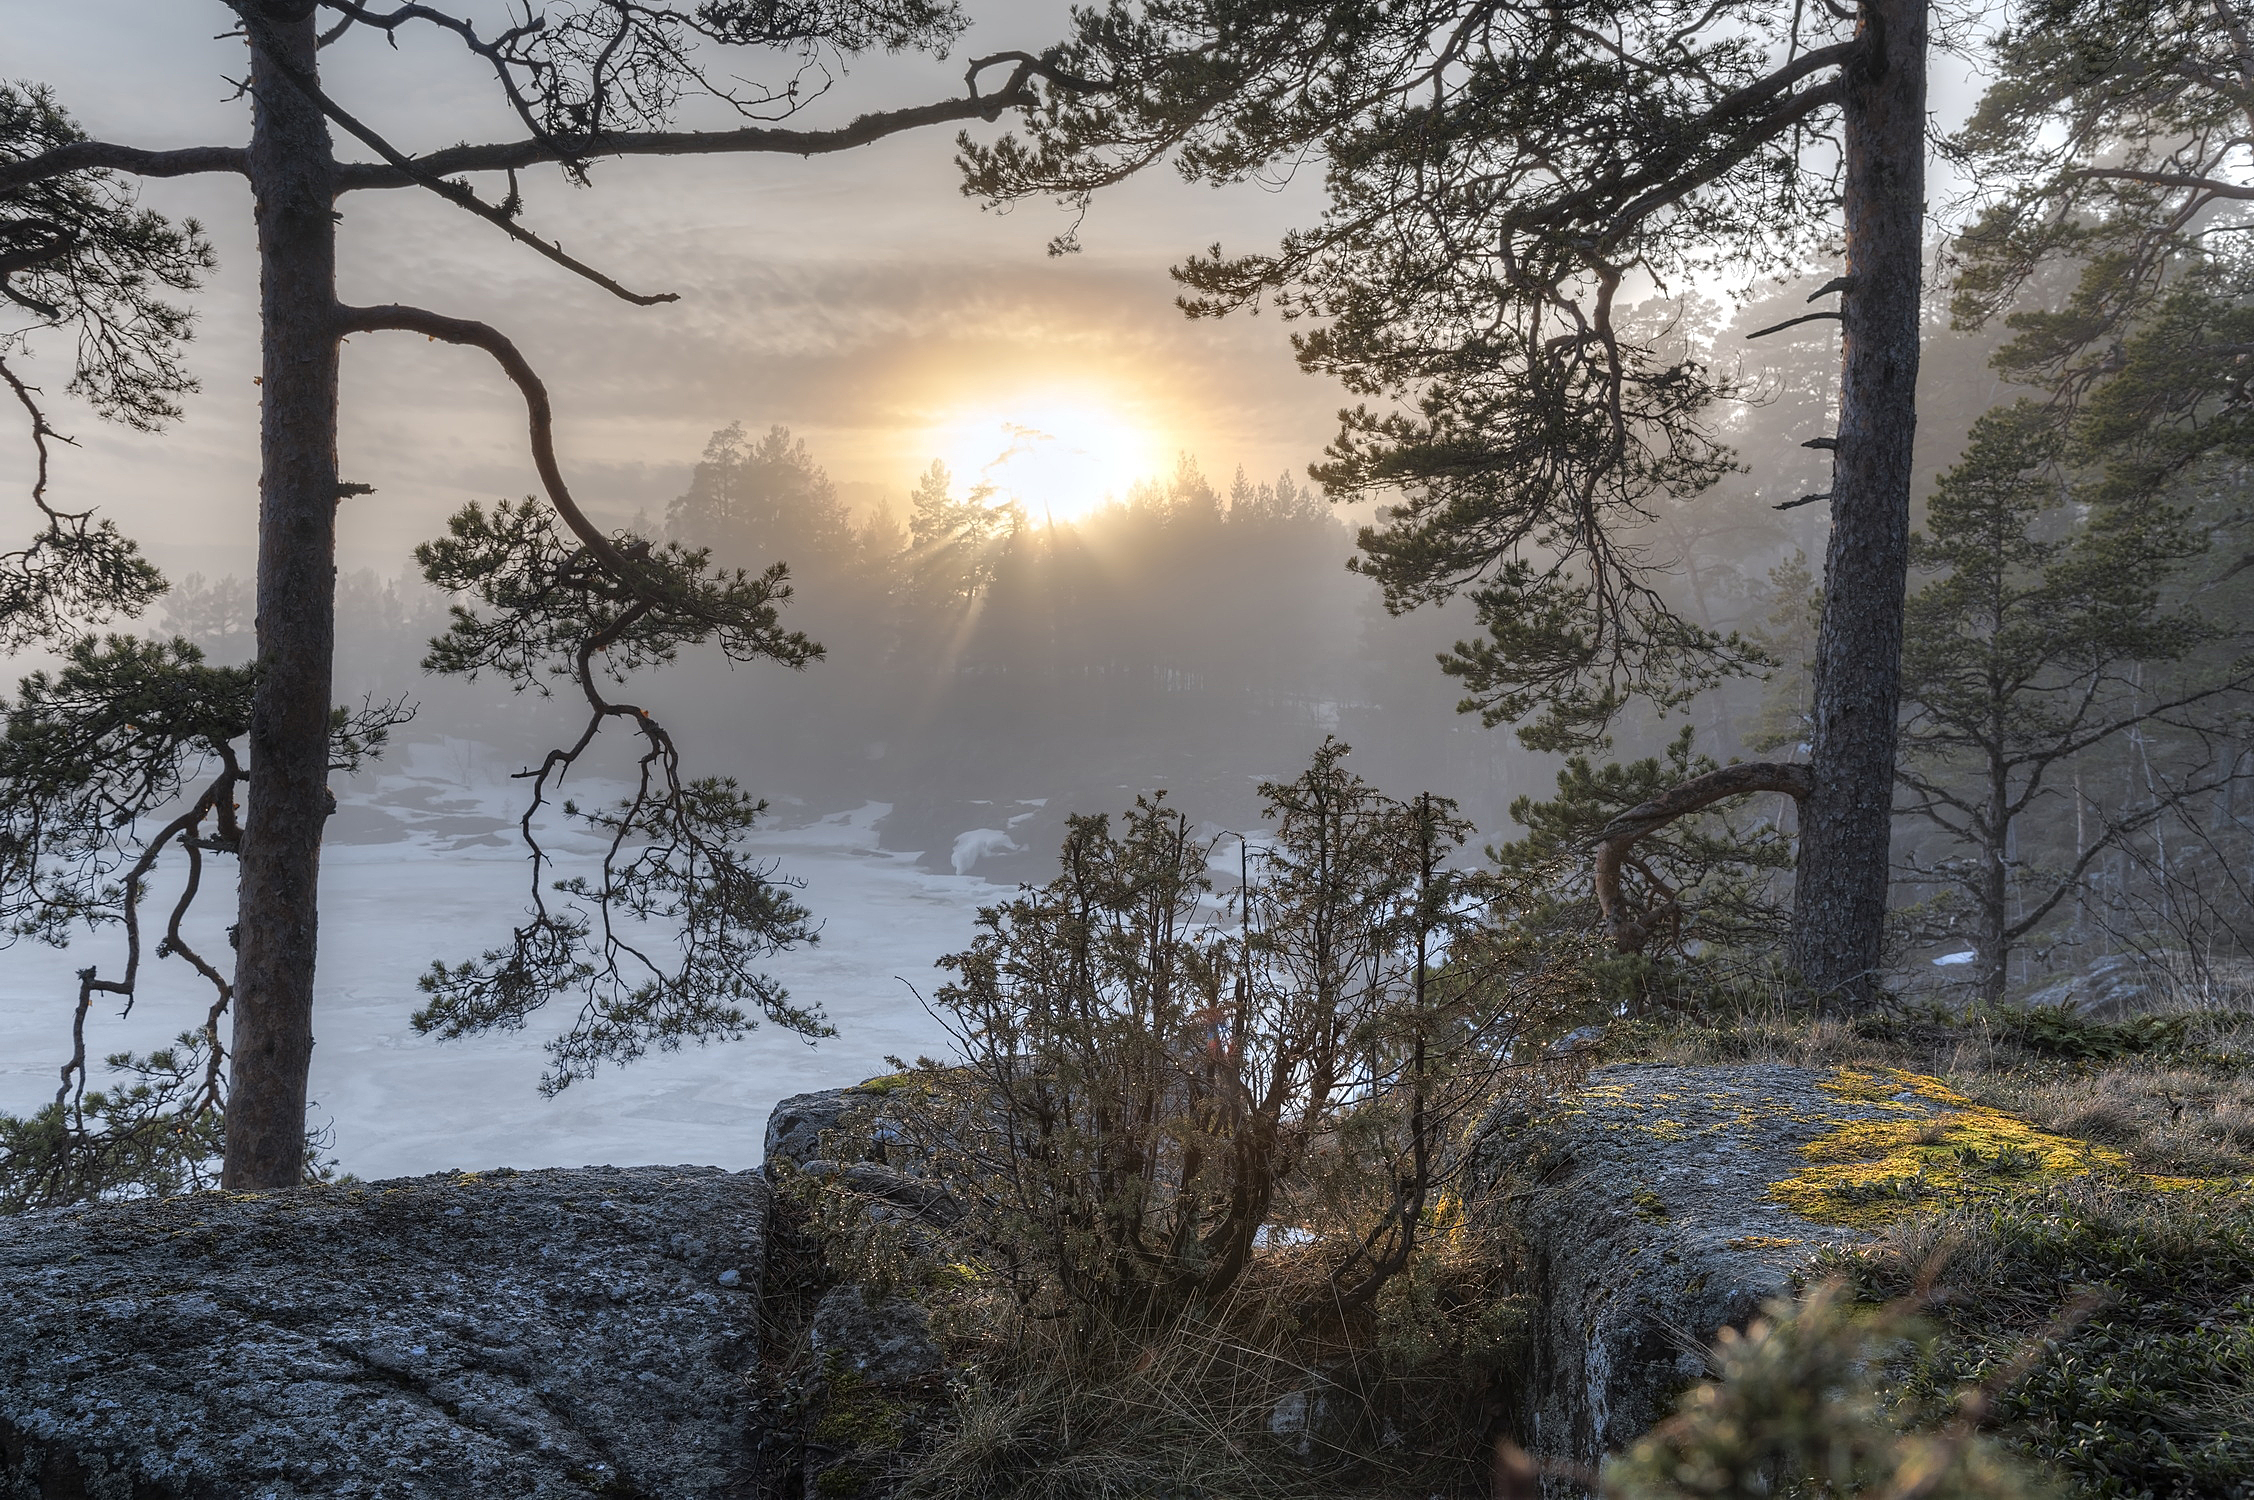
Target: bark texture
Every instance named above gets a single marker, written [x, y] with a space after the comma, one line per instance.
[292, 180]
[1839, 904]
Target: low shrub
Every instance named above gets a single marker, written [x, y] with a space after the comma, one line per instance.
[1800, 1406]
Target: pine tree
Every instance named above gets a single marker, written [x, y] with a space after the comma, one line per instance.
[753, 505]
[2045, 641]
[1500, 179]
[1690, 906]
[549, 594]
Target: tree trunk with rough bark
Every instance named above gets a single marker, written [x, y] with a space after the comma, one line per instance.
[1839, 904]
[1995, 880]
[292, 180]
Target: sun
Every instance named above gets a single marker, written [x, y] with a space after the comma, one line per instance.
[1058, 456]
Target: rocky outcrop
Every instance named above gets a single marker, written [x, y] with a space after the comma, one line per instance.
[882, 1339]
[796, 1126]
[535, 1334]
[598, 1332]
[1652, 1216]
[867, 1382]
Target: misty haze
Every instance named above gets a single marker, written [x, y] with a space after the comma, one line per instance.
[927, 747]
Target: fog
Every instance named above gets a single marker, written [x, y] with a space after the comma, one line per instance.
[1181, 621]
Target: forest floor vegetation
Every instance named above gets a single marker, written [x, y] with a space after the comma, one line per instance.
[2089, 1335]
[2111, 1315]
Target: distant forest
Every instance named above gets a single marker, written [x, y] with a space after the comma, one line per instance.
[989, 670]
[985, 665]
[986, 668]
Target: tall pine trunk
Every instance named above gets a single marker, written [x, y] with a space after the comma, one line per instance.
[291, 176]
[1839, 904]
[1995, 880]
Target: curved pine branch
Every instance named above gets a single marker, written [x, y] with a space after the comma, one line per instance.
[1628, 930]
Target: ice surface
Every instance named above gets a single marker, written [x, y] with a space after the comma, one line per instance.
[422, 864]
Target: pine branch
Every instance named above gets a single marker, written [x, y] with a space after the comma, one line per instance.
[750, 139]
[1620, 835]
[106, 156]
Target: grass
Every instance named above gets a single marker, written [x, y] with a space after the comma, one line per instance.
[2174, 1099]
[2137, 1307]
[2125, 1288]
[2074, 1218]
[1245, 1399]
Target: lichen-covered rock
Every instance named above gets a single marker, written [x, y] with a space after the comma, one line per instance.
[1662, 1204]
[538, 1334]
[883, 1338]
[794, 1128]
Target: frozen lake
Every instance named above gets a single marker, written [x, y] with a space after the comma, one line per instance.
[422, 863]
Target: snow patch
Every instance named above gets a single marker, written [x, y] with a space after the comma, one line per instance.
[975, 844]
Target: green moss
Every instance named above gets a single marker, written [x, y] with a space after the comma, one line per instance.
[859, 1417]
[1649, 1206]
[842, 1481]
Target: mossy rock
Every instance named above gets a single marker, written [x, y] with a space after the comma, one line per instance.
[1933, 1147]
[1660, 1204]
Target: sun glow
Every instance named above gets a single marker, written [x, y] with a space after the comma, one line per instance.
[1060, 457]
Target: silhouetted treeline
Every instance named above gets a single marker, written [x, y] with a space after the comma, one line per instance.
[987, 670]
[992, 669]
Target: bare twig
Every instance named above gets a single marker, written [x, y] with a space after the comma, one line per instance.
[862, 131]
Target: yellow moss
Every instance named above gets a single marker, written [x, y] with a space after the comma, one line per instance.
[1869, 1173]
[1446, 1221]
[891, 1083]
[2200, 1184]
[1885, 1086]
[1764, 1242]
[1668, 1130]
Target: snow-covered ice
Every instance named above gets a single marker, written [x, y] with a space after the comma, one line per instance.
[423, 864]
[975, 844]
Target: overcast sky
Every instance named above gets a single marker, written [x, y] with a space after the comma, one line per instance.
[860, 300]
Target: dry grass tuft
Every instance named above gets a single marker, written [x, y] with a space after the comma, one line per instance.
[2185, 1120]
[1242, 1399]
